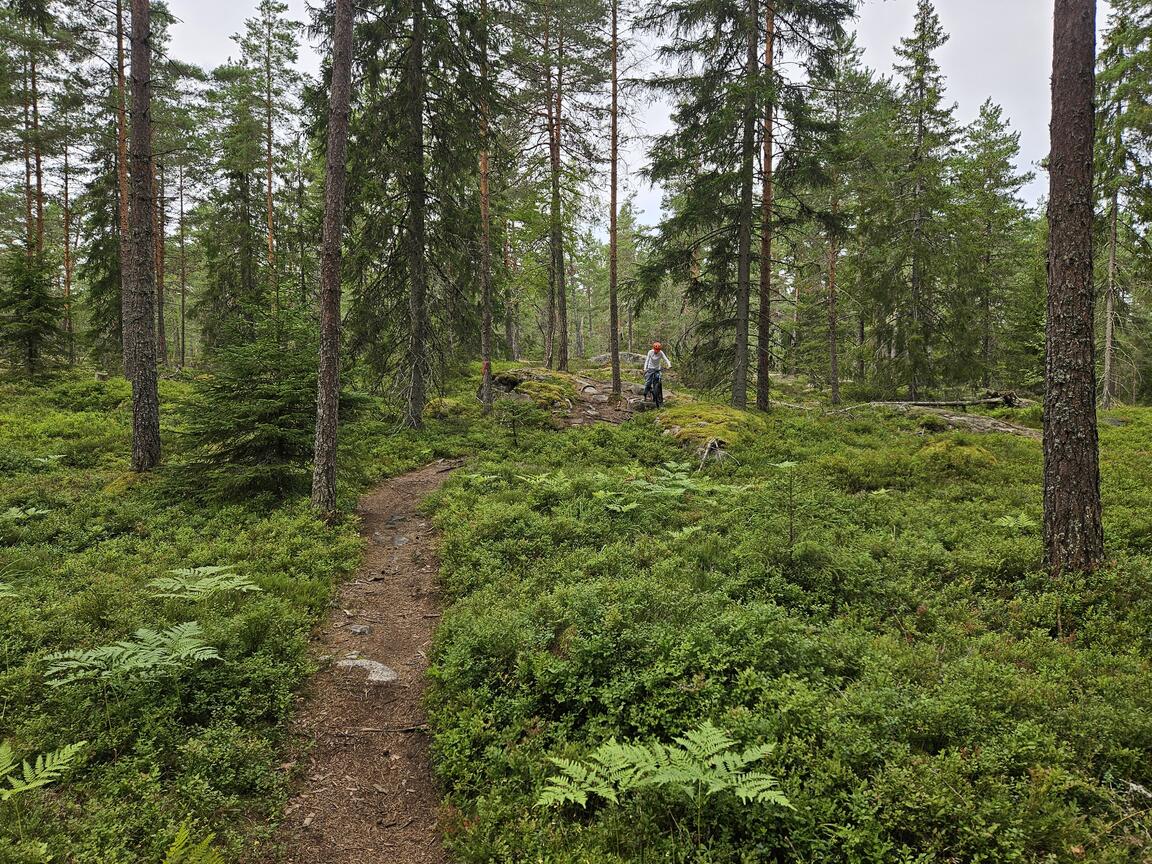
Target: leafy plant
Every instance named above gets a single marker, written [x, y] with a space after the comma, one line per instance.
[22, 514]
[1022, 523]
[199, 583]
[18, 778]
[701, 764]
[148, 653]
[7, 592]
[184, 851]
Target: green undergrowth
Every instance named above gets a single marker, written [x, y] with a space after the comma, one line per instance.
[196, 744]
[862, 594]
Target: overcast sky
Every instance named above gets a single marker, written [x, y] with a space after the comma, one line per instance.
[998, 48]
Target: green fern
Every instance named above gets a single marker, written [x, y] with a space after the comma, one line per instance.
[198, 583]
[7, 592]
[17, 778]
[148, 653]
[700, 764]
[1023, 523]
[22, 514]
[184, 851]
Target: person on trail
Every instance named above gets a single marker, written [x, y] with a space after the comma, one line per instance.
[653, 374]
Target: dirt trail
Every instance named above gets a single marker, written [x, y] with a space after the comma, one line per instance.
[368, 794]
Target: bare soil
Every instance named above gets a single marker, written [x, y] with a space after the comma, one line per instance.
[367, 794]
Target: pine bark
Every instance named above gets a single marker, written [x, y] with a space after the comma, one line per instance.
[485, 223]
[417, 300]
[328, 393]
[764, 313]
[139, 300]
[744, 227]
[613, 228]
[1073, 533]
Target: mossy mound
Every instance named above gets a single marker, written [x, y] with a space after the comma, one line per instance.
[697, 423]
[956, 457]
[545, 388]
[445, 408]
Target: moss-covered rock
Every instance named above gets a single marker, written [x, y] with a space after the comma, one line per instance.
[698, 423]
[445, 408]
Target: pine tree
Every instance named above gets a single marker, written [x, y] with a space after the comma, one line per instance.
[708, 160]
[1073, 533]
[1123, 152]
[328, 398]
[991, 236]
[921, 218]
[140, 279]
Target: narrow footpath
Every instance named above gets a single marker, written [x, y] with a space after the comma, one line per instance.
[368, 793]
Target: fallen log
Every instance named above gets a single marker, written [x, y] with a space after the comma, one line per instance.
[954, 420]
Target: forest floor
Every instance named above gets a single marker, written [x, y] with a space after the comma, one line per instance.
[368, 793]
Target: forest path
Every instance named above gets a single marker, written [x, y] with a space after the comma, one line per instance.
[368, 793]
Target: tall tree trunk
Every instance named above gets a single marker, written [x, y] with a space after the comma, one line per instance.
[183, 274]
[986, 312]
[1073, 532]
[37, 155]
[485, 223]
[26, 142]
[269, 210]
[122, 173]
[161, 231]
[139, 300]
[66, 206]
[613, 246]
[1110, 305]
[833, 313]
[557, 216]
[861, 372]
[764, 313]
[328, 393]
[510, 309]
[553, 161]
[744, 227]
[418, 311]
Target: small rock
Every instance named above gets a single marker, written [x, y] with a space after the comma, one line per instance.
[359, 629]
[377, 672]
[401, 540]
[308, 820]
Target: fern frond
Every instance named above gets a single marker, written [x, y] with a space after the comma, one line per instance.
[46, 768]
[197, 583]
[7, 592]
[183, 851]
[699, 764]
[149, 652]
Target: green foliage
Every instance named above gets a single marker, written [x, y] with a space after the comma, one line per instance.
[198, 583]
[847, 590]
[148, 653]
[249, 422]
[184, 851]
[45, 769]
[30, 313]
[701, 763]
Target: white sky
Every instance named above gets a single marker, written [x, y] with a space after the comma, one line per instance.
[998, 48]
